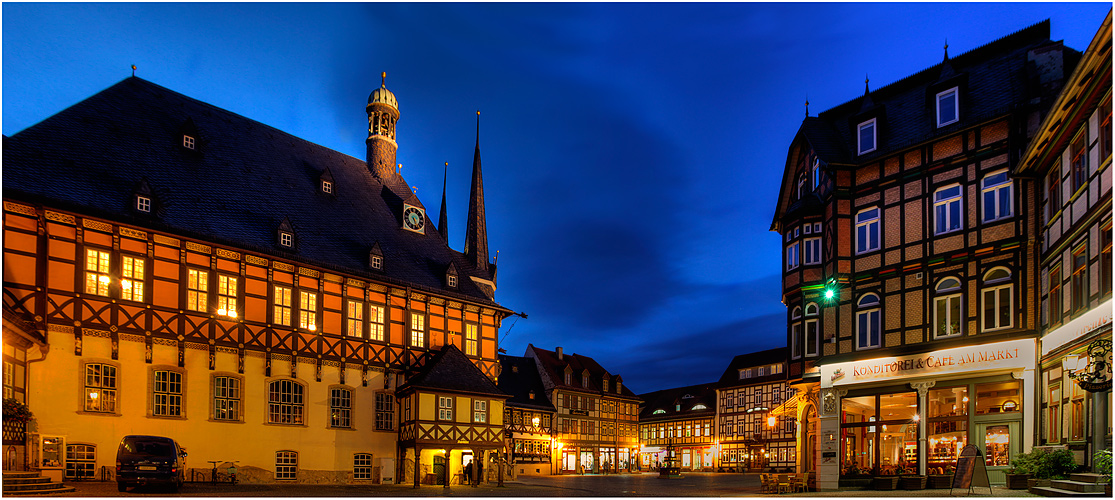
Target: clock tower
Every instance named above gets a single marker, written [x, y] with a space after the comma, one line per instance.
[383, 114]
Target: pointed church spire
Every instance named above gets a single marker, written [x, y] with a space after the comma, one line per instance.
[807, 106]
[866, 85]
[946, 49]
[443, 220]
[476, 232]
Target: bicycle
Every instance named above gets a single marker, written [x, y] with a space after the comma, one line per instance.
[216, 477]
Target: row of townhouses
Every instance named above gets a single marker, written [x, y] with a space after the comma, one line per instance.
[172, 268]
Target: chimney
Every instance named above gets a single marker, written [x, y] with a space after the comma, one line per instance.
[559, 354]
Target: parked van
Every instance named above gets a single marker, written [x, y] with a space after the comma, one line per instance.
[142, 460]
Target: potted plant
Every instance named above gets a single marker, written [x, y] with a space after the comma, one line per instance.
[940, 477]
[909, 477]
[16, 411]
[1101, 464]
[887, 479]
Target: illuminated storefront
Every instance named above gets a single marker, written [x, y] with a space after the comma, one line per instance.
[913, 414]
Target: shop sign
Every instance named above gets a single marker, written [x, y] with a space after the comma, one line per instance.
[583, 413]
[1096, 375]
[1000, 355]
[1087, 323]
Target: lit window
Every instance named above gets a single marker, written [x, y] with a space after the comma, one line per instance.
[792, 256]
[81, 461]
[997, 299]
[812, 330]
[361, 466]
[355, 319]
[866, 136]
[197, 290]
[948, 107]
[226, 398]
[100, 388]
[286, 465]
[187, 142]
[1078, 163]
[286, 239]
[282, 305]
[472, 338]
[867, 230]
[1080, 277]
[1056, 304]
[417, 330]
[812, 251]
[131, 279]
[444, 408]
[868, 326]
[96, 272]
[167, 394]
[340, 407]
[327, 187]
[307, 310]
[480, 412]
[946, 309]
[385, 411]
[226, 295]
[143, 203]
[946, 209]
[795, 334]
[452, 281]
[284, 402]
[998, 199]
[375, 327]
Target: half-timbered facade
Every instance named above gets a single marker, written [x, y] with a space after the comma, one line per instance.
[907, 256]
[200, 275]
[678, 426]
[755, 430]
[528, 417]
[596, 427]
[1070, 163]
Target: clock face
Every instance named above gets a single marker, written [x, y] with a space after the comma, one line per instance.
[413, 219]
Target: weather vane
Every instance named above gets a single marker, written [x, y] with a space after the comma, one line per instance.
[133, 70]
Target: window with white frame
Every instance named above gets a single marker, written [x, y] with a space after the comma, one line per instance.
[998, 301]
[284, 402]
[167, 394]
[307, 310]
[188, 142]
[813, 250]
[1052, 198]
[868, 322]
[948, 107]
[96, 272]
[197, 290]
[377, 262]
[452, 281]
[375, 322]
[286, 465]
[1056, 301]
[355, 325]
[131, 278]
[1080, 277]
[100, 387]
[998, 196]
[946, 308]
[472, 339]
[340, 407]
[226, 398]
[444, 408]
[792, 256]
[326, 187]
[81, 461]
[816, 173]
[946, 209]
[795, 333]
[867, 230]
[480, 412]
[865, 137]
[282, 305]
[385, 411]
[361, 466]
[417, 330]
[812, 330]
[286, 239]
[226, 295]
[143, 203]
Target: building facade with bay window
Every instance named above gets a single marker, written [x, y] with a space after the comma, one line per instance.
[908, 257]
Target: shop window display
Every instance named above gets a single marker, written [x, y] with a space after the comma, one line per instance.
[998, 397]
[997, 444]
[879, 434]
[947, 427]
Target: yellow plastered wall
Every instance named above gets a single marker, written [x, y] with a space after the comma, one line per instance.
[495, 412]
[427, 407]
[464, 409]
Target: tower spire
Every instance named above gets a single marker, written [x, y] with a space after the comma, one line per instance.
[383, 114]
[476, 231]
[443, 220]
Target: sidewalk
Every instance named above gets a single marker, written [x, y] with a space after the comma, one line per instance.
[996, 491]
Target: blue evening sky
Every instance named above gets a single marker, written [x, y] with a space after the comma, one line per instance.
[632, 152]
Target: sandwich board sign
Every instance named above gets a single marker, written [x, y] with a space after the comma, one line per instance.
[971, 471]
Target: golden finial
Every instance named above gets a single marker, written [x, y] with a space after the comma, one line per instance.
[383, 81]
[133, 70]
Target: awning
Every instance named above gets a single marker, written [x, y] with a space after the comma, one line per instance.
[788, 406]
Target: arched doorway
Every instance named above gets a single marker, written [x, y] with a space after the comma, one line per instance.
[809, 439]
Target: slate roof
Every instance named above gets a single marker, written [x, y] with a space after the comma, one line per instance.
[519, 377]
[669, 399]
[451, 370]
[555, 370]
[995, 79]
[243, 179]
[730, 378]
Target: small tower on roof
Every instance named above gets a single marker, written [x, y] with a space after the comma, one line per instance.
[476, 231]
[443, 219]
[383, 114]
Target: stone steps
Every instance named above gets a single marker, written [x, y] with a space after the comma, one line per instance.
[31, 483]
[1050, 491]
[1077, 486]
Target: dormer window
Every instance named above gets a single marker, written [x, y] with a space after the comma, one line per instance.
[865, 137]
[452, 281]
[568, 378]
[948, 107]
[143, 204]
[285, 233]
[327, 187]
[584, 381]
[605, 386]
[188, 141]
[816, 174]
[286, 239]
[531, 395]
[375, 257]
[377, 262]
